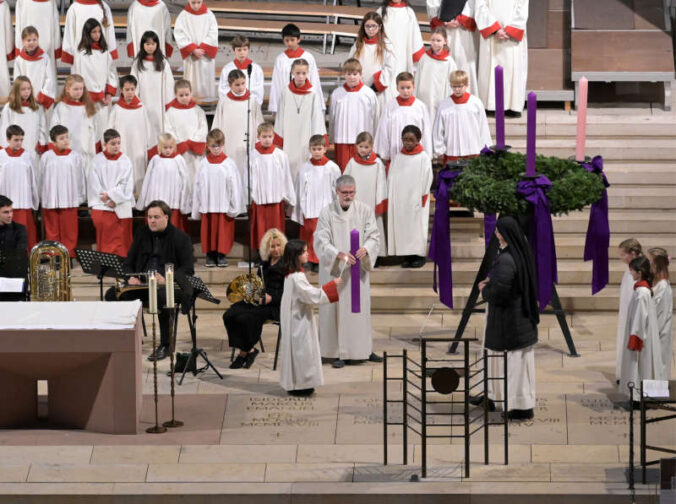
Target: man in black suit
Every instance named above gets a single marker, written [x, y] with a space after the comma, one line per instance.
[13, 235]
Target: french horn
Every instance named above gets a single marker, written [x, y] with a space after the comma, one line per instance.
[49, 267]
[248, 288]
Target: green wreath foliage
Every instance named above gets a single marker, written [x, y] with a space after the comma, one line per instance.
[488, 184]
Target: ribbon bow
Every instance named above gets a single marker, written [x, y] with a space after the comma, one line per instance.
[598, 232]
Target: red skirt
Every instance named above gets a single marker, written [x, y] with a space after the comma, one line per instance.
[307, 233]
[113, 235]
[264, 217]
[344, 152]
[217, 233]
[179, 220]
[61, 226]
[25, 216]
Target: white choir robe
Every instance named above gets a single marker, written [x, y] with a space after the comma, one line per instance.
[230, 118]
[188, 125]
[397, 115]
[641, 331]
[218, 189]
[281, 76]
[663, 298]
[402, 28]
[408, 205]
[255, 84]
[144, 16]
[33, 123]
[198, 31]
[512, 54]
[6, 49]
[114, 177]
[343, 334]
[626, 292]
[352, 111]
[460, 127]
[271, 180]
[298, 118]
[76, 17]
[18, 180]
[167, 180]
[301, 361]
[42, 74]
[315, 188]
[43, 15]
[378, 71]
[100, 75]
[82, 130]
[371, 183]
[132, 122]
[520, 378]
[432, 80]
[156, 91]
[61, 180]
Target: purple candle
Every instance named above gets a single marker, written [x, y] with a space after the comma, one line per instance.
[532, 127]
[499, 108]
[354, 273]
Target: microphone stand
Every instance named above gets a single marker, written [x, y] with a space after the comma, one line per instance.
[248, 158]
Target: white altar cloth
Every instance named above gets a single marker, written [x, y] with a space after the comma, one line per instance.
[75, 315]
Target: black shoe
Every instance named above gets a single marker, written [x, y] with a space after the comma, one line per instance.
[512, 113]
[222, 261]
[407, 262]
[302, 392]
[479, 401]
[375, 358]
[238, 363]
[250, 358]
[521, 414]
[162, 352]
[211, 260]
[338, 363]
[417, 262]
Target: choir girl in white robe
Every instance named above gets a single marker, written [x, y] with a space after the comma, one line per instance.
[110, 191]
[23, 110]
[629, 250]
[18, 181]
[43, 15]
[301, 361]
[408, 206]
[144, 15]
[33, 63]
[76, 17]
[281, 72]
[402, 26]
[196, 34]
[155, 80]
[299, 116]
[502, 24]
[7, 53]
[663, 298]
[354, 108]
[167, 179]
[256, 83]
[432, 79]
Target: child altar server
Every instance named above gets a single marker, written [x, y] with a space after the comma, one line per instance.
[130, 118]
[401, 25]
[408, 207]
[43, 15]
[217, 200]
[354, 108]
[33, 63]
[18, 181]
[283, 68]
[432, 79]
[299, 116]
[271, 185]
[196, 34]
[167, 180]
[301, 360]
[254, 83]
[144, 15]
[23, 110]
[62, 187]
[629, 250]
[110, 190]
[7, 52]
[664, 306]
[315, 188]
[78, 13]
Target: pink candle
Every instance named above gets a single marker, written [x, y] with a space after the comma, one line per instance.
[582, 92]
[532, 128]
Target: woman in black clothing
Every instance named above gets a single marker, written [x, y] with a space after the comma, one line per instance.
[244, 321]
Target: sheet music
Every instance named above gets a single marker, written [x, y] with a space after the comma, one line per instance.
[655, 388]
[11, 284]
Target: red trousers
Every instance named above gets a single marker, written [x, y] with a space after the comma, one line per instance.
[61, 226]
[217, 233]
[264, 217]
[344, 152]
[113, 235]
[179, 220]
[25, 216]
[307, 233]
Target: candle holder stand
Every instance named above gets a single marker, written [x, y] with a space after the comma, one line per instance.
[587, 159]
[172, 349]
[500, 150]
[157, 428]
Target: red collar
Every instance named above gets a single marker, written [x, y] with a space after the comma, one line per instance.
[442, 56]
[400, 4]
[216, 159]
[304, 89]
[34, 57]
[96, 46]
[149, 58]
[134, 104]
[59, 152]
[112, 157]
[463, 99]
[405, 103]
[320, 162]
[13, 153]
[202, 10]
[294, 54]
[68, 101]
[149, 3]
[25, 104]
[299, 270]
[174, 103]
[373, 40]
[233, 96]
[416, 150]
[243, 65]
[265, 150]
[170, 156]
[354, 89]
[641, 283]
[87, 2]
[371, 160]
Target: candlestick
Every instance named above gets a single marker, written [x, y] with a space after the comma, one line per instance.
[354, 272]
[499, 108]
[532, 128]
[152, 293]
[582, 93]
[169, 283]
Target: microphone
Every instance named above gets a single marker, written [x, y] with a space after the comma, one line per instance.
[248, 70]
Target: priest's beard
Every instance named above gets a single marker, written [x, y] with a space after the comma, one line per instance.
[345, 206]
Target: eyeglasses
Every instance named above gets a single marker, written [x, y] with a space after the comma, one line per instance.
[371, 26]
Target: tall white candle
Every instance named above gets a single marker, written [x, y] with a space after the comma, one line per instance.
[169, 282]
[152, 293]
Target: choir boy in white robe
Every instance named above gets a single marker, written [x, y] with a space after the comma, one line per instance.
[196, 34]
[401, 25]
[344, 335]
[7, 52]
[110, 191]
[502, 24]
[271, 185]
[167, 179]
[354, 108]
[368, 172]
[299, 116]
[18, 181]
[460, 127]
[255, 82]
[231, 119]
[217, 200]
[408, 205]
[187, 122]
[43, 15]
[398, 113]
[629, 250]
[663, 298]
[23, 110]
[432, 79]
[144, 15]
[315, 188]
[281, 72]
[35, 64]
[76, 17]
[301, 361]
[62, 187]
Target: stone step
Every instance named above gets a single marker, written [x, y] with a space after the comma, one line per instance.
[624, 149]
[643, 197]
[628, 221]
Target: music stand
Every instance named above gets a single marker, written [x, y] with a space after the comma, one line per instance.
[14, 264]
[101, 264]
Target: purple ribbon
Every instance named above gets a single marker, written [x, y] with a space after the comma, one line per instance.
[490, 220]
[354, 273]
[598, 232]
[541, 236]
[440, 243]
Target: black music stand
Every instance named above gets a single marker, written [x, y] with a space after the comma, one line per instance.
[14, 264]
[101, 264]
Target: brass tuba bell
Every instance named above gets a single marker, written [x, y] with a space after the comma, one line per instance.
[248, 288]
[50, 272]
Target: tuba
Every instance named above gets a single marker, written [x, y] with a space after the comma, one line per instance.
[248, 288]
[50, 272]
